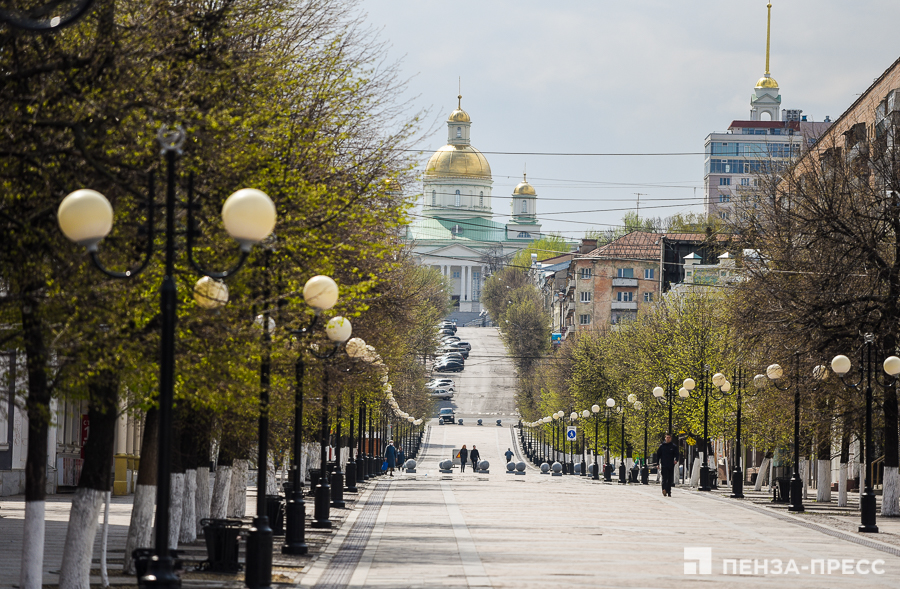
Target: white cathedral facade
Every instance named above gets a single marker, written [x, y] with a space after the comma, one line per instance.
[456, 232]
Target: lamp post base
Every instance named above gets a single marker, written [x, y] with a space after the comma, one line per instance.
[351, 477]
[622, 479]
[704, 478]
[295, 531]
[259, 555]
[337, 485]
[867, 512]
[596, 474]
[737, 484]
[796, 504]
[607, 472]
[161, 574]
[645, 475]
[322, 509]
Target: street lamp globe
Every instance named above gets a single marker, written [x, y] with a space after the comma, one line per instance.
[610, 402]
[85, 217]
[410, 419]
[774, 372]
[632, 398]
[684, 393]
[261, 320]
[718, 379]
[320, 292]
[689, 384]
[573, 416]
[726, 387]
[760, 381]
[356, 348]
[840, 364]
[892, 365]
[210, 293]
[638, 405]
[338, 329]
[595, 408]
[821, 372]
[249, 216]
[555, 416]
[585, 414]
[658, 392]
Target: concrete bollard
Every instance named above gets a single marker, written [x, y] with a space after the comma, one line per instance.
[446, 466]
[459, 422]
[499, 422]
[520, 468]
[545, 468]
[557, 469]
[479, 422]
[411, 466]
[484, 466]
[510, 468]
[577, 468]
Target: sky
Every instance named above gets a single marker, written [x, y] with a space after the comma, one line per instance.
[634, 77]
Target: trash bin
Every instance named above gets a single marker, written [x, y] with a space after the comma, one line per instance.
[288, 489]
[275, 512]
[314, 475]
[783, 490]
[142, 557]
[221, 537]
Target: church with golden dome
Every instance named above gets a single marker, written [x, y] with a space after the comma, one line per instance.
[455, 230]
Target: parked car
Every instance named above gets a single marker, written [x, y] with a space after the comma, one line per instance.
[441, 381]
[450, 338]
[465, 345]
[446, 415]
[451, 349]
[449, 365]
[455, 356]
[447, 332]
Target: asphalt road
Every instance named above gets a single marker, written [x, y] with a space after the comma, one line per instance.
[486, 389]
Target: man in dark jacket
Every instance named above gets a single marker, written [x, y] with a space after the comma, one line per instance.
[668, 459]
[463, 458]
[509, 455]
[474, 456]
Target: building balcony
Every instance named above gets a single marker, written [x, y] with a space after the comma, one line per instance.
[624, 281]
[622, 306]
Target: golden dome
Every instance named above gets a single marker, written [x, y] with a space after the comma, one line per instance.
[458, 160]
[459, 115]
[525, 189]
[766, 81]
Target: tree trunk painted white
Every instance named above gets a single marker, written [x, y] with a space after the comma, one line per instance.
[176, 506]
[842, 485]
[218, 508]
[237, 500]
[804, 477]
[695, 473]
[271, 481]
[201, 501]
[78, 550]
[890, 499]
[188, 531]
[762, 474]
[104, 573]
[141, 525]
[823, 482]
[31, 573]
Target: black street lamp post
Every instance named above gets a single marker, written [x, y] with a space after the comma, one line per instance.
[595, 409]
[645, 471]
[669, 398]
[623, 480]
[841, 366]
[718, 381]
[86, 217]
[737, 475]
[585, 415]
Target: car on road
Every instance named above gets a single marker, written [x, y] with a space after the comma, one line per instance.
[450, 338]
[444, 394]
[446, 415]
[449, 365]
[438, 382]
[451, 349]
[462, 344]
[451, 356]
[447, 332]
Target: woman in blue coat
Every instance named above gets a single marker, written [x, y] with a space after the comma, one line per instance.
[390, 456]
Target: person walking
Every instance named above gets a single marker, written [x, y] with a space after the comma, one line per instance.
[474, 456]
[463, 458]
[390, 456]
[667, 454]
[509, 455]
[401, 458]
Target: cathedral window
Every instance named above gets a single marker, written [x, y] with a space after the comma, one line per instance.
[524, 234]
[481, 199]
[434, 198]
[524, 206]
[458, 132]
[458, 199]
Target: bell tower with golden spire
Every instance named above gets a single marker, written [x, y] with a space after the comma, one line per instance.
[766, 99]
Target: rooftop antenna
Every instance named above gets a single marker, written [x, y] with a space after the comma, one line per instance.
[460, 92]
[639, 195]
[768, 35]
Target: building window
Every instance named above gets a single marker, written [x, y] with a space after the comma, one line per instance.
[586, 296]
[584, 319]
[724, 181]
[625, 272]
[458, 132]
[481, 199]
[524, 206]
[625, 296]
[724, 215]
[745, 181]
[724, 198]
[458, 198]
[585, 272]
[648, 273]
[524, 235]
[434, 198]
[456, 274]
[648, 297]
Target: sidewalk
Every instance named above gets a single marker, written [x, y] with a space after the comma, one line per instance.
[285, 570]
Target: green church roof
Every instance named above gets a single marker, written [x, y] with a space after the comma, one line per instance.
[475, 229]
